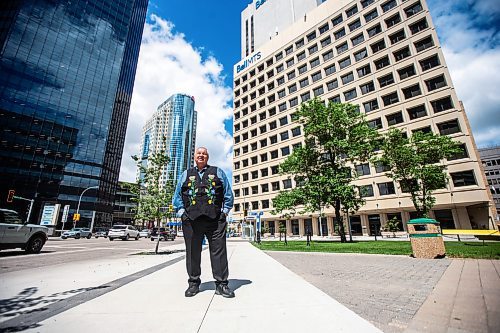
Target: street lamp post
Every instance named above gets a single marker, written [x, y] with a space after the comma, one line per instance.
[80, 199]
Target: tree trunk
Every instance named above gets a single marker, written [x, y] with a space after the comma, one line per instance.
[338, 218]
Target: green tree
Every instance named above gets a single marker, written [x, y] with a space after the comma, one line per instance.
[335, 136]
[414, 162]
[153, 197]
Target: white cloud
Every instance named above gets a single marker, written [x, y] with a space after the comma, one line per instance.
[168, 64]
[469, 35]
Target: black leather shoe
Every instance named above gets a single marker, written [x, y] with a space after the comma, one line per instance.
[192, 290]
[224, 291]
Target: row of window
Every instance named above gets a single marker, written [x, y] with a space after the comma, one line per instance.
[264, 157]
[338, 34]
[383, 62]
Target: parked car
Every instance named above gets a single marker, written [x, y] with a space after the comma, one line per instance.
[124, 232]
[165, 234]
[145, 233]
[101, 233]
[77, 233]
[14, 233]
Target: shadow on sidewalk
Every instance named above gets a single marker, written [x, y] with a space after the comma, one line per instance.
[234, 284]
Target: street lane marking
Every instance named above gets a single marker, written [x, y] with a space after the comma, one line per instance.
[31, 320]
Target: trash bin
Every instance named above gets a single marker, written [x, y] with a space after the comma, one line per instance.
[425, 237]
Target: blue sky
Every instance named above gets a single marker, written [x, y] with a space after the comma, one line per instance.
[191, 47]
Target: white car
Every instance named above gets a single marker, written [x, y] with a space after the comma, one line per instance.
[77, 233]
[124, 232]
[14, 233]
[145, 233]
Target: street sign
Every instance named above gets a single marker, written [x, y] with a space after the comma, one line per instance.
[50, 214]
[76, 217]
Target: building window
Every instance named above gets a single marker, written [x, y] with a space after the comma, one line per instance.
[367, 88]
[330, 70]
[273, 139]
[424, 44]
[442, 104]
[344, 62]
[412, 91]
[386, 6]
[318, 91]
[449, 127]
[290, 62]
[462, 154]
[275, 169]
[264, 188]
[289, 50]
[375, 123]
[365, 70]
[302, 69]
[274, 154]
[366, 3]
[287, 183]
[393, 20]
[360, 55]
[293, 102]
[324, 28]
[381, 167]
[264, 172]
[273, 125]
[316, 76]
[314, 62]
[435, 83]
[395, 118]
[464, 178]
[386, 80]
[425, 129]
[376, 29]
[282, 107]
[291, 75]
[303, 83]
[327, 55]
[334, 99]
[311, 36]
[284, 135]
[255, 175]
[417, 112]
[280, 68]
[263, 143]
[355, 24]
[402, 54]
[296, 131]
[283, 121]
[418, 26]
[342, 48]
[285, 151]
[313, 49]
[382, 62]
[337, 20]
[332, 85]
[429, 63]
[378, 46]
[371, 15]
[363, 169]
[350, 94]
[406, 72]
[339, 34]
[370, 105]
[366, 191]
[397, 36]
[358, 39]
[263, 157]
[349, 77]
[386, 188]
[292, 88]
[275, 186]
[281, 94]
[301, 56]
[351, 11]
[326, 41]
[305, 97]
[390, 99]
[413, 9]
[299, 43]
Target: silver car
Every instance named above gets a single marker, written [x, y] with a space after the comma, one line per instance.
[77, 233]
[145, 233]
[14, 233]
[124, 232]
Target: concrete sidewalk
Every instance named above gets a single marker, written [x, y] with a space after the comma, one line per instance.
[269, 298]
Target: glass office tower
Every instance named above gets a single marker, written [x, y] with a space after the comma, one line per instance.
[68, 70]
[175, 120]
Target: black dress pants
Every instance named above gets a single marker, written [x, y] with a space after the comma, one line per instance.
[215, 231]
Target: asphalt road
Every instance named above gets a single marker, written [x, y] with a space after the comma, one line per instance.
[58, 251]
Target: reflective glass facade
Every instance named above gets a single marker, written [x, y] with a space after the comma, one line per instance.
[68, 70]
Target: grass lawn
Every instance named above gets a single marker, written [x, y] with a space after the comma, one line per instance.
[476, 250]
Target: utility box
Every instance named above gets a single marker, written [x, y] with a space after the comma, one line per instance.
[426, 239]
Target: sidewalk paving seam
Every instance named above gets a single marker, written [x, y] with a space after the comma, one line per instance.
[14, 324]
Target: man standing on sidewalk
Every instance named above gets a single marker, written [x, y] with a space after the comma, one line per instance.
[202, 199]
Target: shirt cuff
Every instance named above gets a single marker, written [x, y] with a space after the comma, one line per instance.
[180, 212]
[225, 211]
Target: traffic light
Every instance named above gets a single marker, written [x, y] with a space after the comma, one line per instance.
[10, 196]
[76, 217]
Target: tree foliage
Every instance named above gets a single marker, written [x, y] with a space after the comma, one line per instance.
[335, 135]
[152, 196]
[414, 162]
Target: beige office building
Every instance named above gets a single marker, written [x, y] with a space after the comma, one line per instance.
[382, 55]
